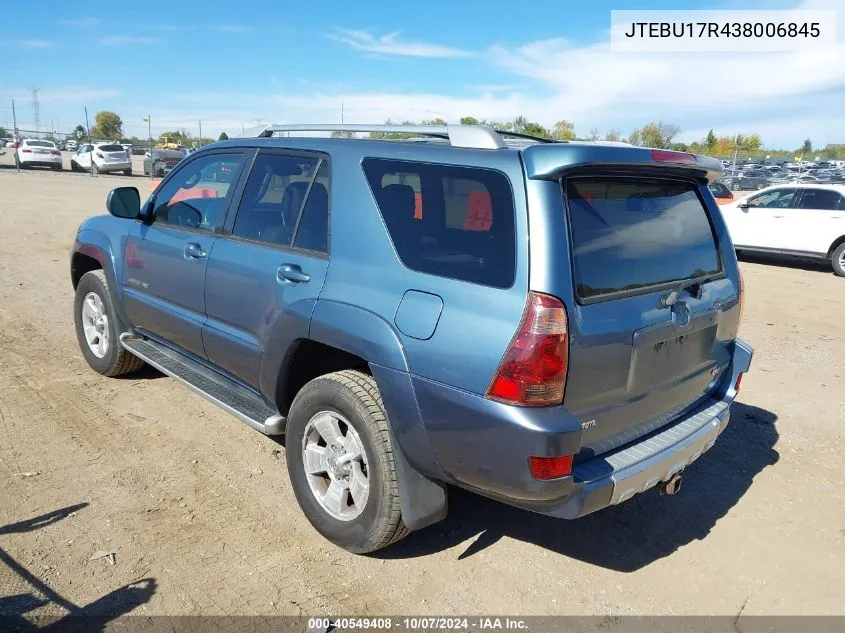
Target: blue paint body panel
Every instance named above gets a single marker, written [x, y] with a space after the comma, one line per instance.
[434, 343]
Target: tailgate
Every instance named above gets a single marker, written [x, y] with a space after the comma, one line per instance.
[640, 353]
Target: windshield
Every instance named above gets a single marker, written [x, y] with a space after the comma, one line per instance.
[632, 233]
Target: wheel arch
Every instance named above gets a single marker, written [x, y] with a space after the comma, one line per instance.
[836, 244]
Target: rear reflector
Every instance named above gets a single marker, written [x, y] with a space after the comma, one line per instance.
[738, 382]
[533, 370]
[550, 467]
[666, 156]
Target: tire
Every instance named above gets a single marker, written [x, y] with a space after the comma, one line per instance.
[114, 361]
[127, 172]
[354, 398]
[837, 260]
[57, 168]
[94, 169]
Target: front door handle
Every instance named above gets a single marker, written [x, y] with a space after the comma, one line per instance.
[194, 251]
[292, 272]
[779, 217]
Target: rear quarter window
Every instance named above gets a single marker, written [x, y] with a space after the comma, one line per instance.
[629, 234]
[446, 220]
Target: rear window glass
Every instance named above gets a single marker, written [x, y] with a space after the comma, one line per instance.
[110, 148]
[40, 144]
[449, 221]
[632, 233]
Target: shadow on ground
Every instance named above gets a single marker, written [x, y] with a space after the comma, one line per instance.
[35, 594]
[625, 537]
[784, 261]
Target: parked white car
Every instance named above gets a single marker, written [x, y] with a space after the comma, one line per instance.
[791, 219]
[105, 158]
[37, 153]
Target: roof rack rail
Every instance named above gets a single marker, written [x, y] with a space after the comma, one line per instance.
[471, 136]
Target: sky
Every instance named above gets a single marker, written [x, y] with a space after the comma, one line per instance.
[241, 63]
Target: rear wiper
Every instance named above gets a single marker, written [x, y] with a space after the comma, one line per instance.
[695, 285]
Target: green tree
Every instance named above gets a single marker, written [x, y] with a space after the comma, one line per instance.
[613, 135]
[3, 132]
[107, 125]
[751, 143]
[469, 120]
[710, 141]
[635, 137]
[342, 134]
[79, 132]
[223, 137]
[564, 131]
[658, 134]
[807, 147]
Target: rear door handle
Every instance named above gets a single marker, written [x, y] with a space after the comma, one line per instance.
[194, 251]
[778, 216]
[292, 272]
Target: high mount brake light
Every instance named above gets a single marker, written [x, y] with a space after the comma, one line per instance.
[667, 156]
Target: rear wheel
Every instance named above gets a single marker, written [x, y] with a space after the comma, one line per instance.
[127, 172]
[837, 259]
[94, 168]
[341, 463]
[96, 328]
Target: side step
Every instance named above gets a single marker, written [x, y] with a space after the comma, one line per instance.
[227, 394]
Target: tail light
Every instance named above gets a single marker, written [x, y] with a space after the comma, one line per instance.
[667, 156]
[730, 196]
[550, 467]
[738, 382]
[533, 370]
[56, 152]
[26, 151]
[99, 155]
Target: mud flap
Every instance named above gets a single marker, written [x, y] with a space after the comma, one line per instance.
[422, 500]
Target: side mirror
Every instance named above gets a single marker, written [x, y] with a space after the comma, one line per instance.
[124, 202]
[743, 204]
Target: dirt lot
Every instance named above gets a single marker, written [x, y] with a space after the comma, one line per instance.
[200, 517]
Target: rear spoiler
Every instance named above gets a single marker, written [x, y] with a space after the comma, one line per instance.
[550, 161]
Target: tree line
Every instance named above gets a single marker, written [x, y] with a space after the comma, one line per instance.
[659, 134]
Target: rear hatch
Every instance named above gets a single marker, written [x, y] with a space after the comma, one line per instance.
[648, 287]
[113, 153]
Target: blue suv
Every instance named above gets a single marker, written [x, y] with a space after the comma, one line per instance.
[550, 324]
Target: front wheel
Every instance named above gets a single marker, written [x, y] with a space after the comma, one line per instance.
[127, 172]
[96, 328]
[94, 169]
[837, 259]
[340, 462]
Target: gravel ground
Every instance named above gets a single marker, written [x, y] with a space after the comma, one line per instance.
[136, 494]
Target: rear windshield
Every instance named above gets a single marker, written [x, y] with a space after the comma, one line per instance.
[449, 221]
[632, 233]
[40, 144]
[111, 148]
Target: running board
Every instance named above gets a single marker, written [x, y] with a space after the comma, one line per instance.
[248, 407]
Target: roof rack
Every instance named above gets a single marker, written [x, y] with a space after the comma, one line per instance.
[472, 136]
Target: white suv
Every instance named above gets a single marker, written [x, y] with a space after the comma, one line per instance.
[792, 219]
[37, 153]
[103, 158]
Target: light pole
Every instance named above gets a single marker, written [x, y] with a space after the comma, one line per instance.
[150, 137]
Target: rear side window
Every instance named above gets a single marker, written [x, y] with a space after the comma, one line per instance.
[449, 221]
[823, 199]
[633, 233]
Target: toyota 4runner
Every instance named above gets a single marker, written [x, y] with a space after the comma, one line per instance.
[550, 324]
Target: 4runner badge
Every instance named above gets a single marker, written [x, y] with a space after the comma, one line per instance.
[588, 424]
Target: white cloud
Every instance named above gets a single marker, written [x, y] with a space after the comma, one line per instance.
[230, 28]
[86, 22]
[33, 44]
[391, 44]
[126, 40]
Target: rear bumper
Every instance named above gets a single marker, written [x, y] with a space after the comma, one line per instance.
[107, 168]
[42, 161]
[494, 460]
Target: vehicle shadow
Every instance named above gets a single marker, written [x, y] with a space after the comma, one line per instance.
[786, 261]
[626, 537]
[29, 593]
[147, 372]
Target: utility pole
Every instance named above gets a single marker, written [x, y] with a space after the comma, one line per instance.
[15, 137]
[200, 122]
[150, 137]
[341, 112]
[91, 154]
[36, 110]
